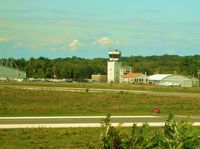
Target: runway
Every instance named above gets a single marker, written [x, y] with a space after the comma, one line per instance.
[86, 121]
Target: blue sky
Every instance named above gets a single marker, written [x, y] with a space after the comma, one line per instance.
[88, 28]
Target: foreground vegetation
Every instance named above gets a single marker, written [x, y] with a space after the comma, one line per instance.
[173, 135]
[49, 138]
[19, 102]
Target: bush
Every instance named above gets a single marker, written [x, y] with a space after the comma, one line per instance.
[172, 135]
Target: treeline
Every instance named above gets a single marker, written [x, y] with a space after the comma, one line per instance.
[75, 68]
[79, 68]
[168, 64]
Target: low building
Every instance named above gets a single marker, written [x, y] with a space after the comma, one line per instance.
[11, 73]
[135, 78]
[195, 82]
[99, 78]
[170, 80]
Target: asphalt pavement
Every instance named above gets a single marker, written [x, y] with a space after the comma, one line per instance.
[86, 121]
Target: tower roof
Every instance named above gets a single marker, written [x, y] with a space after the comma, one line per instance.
[114, 55]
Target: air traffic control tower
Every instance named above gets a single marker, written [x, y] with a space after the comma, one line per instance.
[114, 66]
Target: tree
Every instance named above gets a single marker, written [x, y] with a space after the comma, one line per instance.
[80, 68]
[174, 135]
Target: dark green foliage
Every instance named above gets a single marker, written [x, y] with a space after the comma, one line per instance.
[174, 135]
[177, 135]
[113, 138]
[79, 68]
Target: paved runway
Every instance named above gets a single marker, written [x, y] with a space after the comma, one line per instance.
[85, 121]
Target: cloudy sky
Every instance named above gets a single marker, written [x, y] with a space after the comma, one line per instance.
[88, 28]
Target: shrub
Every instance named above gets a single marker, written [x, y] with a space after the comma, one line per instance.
[172, 135]
[177, 135]
[87, 90]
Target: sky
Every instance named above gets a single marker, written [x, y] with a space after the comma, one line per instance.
[89, 28]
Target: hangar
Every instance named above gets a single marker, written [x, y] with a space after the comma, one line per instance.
[171, 80]
[9, 71]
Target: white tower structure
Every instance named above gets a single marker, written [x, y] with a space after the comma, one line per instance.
[114, 66]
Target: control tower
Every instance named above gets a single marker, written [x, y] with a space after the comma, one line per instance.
[114, 65]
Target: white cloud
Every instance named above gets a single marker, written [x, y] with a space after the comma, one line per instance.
[17, 45]
[74, 43]
[170, 51]
[4, 39]
[118, 42]
[53, 41]
[60, 48]
[104, 41]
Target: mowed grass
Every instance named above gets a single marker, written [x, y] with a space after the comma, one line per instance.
[48, 138]
[144, 87]
[19, 102]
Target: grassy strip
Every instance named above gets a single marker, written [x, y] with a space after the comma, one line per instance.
[146, 87]
[46, 138]
[17, 102]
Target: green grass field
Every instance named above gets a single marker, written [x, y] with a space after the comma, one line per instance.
[19, 102]
[44, 138]
[47, 138]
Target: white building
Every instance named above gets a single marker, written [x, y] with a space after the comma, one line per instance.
[135, 78]
[195, 82]
[9, 73]
[170, 80]
[114, 66]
